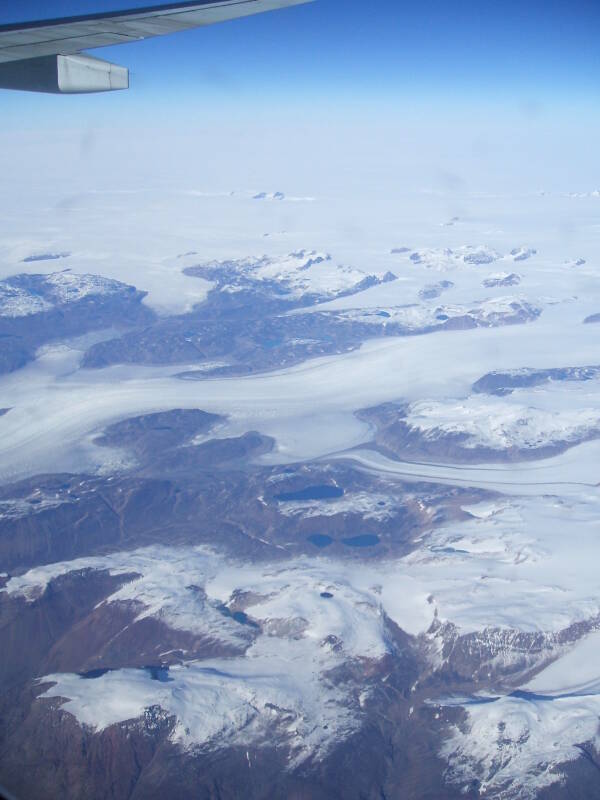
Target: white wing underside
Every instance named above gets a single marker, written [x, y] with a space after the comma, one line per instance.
[69, 36]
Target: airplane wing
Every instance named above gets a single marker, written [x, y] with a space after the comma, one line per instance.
[46, 56]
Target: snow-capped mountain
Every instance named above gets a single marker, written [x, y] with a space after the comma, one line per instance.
[25, 295]
[301, 275]
[415, 318]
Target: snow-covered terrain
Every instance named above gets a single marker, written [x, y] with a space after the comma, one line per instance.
[493, 311]
[368, 505]
[306, 618]
[509, 586]
[502, 425]
[514, 746]
[33, 504]
[433, 290]
[17, 302]
[502, 279]
[309, 409]
[276, 696]
[527, 566]
[519, 743]
[185, 587]
[303, 273]
[68, 287]
[21, 297]
[269, 196]
[448, 259]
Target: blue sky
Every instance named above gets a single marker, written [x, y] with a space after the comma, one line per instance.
[521, 51]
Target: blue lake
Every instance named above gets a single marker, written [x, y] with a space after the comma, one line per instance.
[238, 616]
[320, 540]
[156, 673]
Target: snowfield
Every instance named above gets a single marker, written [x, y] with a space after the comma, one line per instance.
[276, 696]
[56, 289]
[515, 746]
[448, 259]
[508, 565]
[415, 318]
[280, 678]
[519, 743]
[515, 566]
[68, 287]
[522, 564]
[303, 273]
[17, 302]
[500, 425]
[367, 505]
